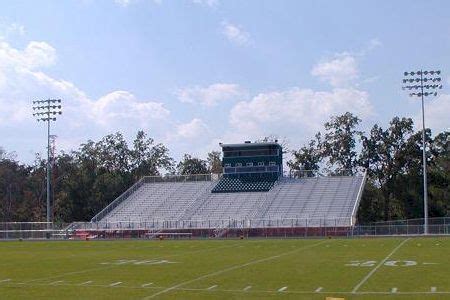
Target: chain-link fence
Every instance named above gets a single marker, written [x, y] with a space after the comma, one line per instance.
[283, 228]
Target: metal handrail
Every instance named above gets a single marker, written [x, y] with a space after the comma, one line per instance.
[117, 201]
[359, 196]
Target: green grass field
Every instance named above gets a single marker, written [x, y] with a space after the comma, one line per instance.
[378, 268]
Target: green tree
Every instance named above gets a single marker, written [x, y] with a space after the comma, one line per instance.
[148, 158]
[191, 165]
[340, 141]
[214, 161]
[307, 158]
[439, 176]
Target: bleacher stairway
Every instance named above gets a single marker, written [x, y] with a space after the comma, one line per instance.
[314, 199]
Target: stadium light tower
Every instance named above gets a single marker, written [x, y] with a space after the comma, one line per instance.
[46, 111]
[423, 84]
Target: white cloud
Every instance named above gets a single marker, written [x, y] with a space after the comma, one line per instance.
[210, 95]
[36, 54]
[235, 34]
[210, 3]
[7, 30]
[194, 129]
[123, 3]
[339, 71]
[126, 3]
[122, 106]
[289, 112]
[17, 80]
[22, 80]
[373, 43]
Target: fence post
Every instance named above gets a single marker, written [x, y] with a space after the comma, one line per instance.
[306, 228]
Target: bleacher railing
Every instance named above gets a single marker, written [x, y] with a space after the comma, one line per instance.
[181, 178]
[316, 173]
[152, 179]
[213, 224]
[117, 201]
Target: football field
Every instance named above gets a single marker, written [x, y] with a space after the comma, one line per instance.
[365, 268]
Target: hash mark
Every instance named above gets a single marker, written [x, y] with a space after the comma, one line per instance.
[5, 280]
[212, 287]
[86, 282]
[115, 283]
[433, 289]
[283, 289]
[318, 289]
[394, 290]
[247, 288]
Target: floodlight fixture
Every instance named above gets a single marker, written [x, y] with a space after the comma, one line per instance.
[421, 77]
[46, 111]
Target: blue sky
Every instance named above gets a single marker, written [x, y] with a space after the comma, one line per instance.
[197, 72]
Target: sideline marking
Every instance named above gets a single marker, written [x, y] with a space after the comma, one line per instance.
[247, 288]
[212, 287]
[356, 288]
[115, 283]
[433, 289]
[5, 280]
[282, 289]
[232, 268]
[147, 284]
[86, 282]
[318, 289]
[394, 290]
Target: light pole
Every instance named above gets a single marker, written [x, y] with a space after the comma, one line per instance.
[46, 111]
[423, 84]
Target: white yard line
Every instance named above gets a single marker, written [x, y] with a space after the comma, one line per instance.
[147, 284]
[356, 288]
[247, 288]
[282, 289]
[212, 287]
[5, 280]
[86, 282]
[319, 289]
[112, 266]
[71, 273]
[116, 283]
[56, 282]
[253, 262]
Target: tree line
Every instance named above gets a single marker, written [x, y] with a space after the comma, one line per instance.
[89, 178]
[392, 157]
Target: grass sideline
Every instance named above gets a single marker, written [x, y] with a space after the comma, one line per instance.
[369, 268]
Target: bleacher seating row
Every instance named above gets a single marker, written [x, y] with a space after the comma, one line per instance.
[306, 198]
[246, 183]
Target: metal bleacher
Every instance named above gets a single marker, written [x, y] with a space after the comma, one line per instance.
[317, 201]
